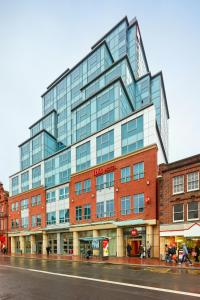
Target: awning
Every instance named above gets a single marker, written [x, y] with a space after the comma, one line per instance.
[90, 239]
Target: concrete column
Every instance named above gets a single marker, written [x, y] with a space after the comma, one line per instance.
[76, 245]
[33, 244]
[120, 242]
[22, 244]
[44, 242]
[58, 243]
[13, 245]
[149, 238]
[95, 234]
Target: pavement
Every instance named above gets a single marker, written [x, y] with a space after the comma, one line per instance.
[33, 278]
[153, 262]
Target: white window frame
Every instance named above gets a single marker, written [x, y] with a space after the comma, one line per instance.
[197, 209]
[181, 192]
[177, 221]
[189, 190]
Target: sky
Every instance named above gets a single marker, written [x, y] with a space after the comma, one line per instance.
[41, 39]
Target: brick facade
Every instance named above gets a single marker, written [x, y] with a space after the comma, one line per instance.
[3, 216]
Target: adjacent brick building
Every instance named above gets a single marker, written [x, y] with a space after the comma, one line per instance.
[179, 201]
[3, 216]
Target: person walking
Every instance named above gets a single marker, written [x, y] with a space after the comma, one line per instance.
[148, 250]
[48, 249]
[197, 253]
[129, 248]
[185, 254]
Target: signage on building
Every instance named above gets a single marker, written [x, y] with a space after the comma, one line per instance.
[105, 244]
[134, 232]
[104, 170]
[95, 244]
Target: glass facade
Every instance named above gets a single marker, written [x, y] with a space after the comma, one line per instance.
[105, 147]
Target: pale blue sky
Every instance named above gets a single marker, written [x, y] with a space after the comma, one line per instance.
[40, 39]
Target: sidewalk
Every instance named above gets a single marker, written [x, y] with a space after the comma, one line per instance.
[134, 261]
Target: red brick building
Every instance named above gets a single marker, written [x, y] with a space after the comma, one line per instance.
[27, 218]
[179, 197]
[3, 216]
[117, 199]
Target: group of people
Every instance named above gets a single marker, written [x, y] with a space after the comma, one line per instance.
[172, 255]
[143, 251]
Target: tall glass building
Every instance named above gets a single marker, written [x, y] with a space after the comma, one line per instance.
[105, 111]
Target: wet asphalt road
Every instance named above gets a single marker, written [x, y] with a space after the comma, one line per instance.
[16, 282]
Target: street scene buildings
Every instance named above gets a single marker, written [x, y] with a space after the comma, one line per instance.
[94, 172]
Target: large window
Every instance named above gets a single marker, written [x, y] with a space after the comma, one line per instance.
[100, 209]
[36, 176]
[125, 205]
[15, 185]
[132, 135]
[51, 218]
[36, 220]
[83, 157]
[138, 203]
[138, 171]
[87, 185]
[110, 179]
[36, 200]
[50, 197]
[178, 184]
[64, 193]
[24, 222]
[78, 213]
[87, 212]
[193, 181]
[64, 216]
[99, 182]
[193, 210]
[78, 188]
[178, 212]
[125, 174]
[105, 147]
[24, 204]
[109, 208]
[25, 181]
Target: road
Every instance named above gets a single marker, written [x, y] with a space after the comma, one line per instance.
[24, 279]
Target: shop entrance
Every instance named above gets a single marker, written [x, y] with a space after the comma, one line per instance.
[17, 243]
[134, 241]
[52, 242]
[135, 246]
[27, 244]
[38, 242]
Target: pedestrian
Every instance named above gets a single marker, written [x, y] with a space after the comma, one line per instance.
[48, 249]
[129, 248]
[166, 253]
[4, 249]
[148, 250]
[197, 252]
[141, 251]
[185, 254]
[88, 253]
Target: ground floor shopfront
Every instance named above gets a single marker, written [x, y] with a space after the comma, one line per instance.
[71, 241]
[177, 234]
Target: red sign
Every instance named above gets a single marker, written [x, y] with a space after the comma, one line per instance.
[103, 170]
[134, 232]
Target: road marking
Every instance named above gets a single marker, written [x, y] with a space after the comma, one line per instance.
[107, 281]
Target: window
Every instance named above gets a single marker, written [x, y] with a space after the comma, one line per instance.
[51, 218]
[138, 203]
[78, 188]
[50, 197]
[87, 212]
[132, 135]
[178, 184]
[193, 181]
[193, 210]
[24, 204]
[17, 223]
[125, 205]
[36, 177]
[64, 193]
[24, 222]
[12, 224]
[100, 182]
[109, 208]
[14, 206]
[178, 213]
[125, 174]
[105, 147]
[36, 200]
[64, 216]
[83, 157]
[25, 181]
[109, 179]
[78, 213]
[36, 221]
[100, 209]
[138, 171]
[87, 185]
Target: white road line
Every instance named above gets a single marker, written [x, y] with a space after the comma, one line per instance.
[108, 281]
